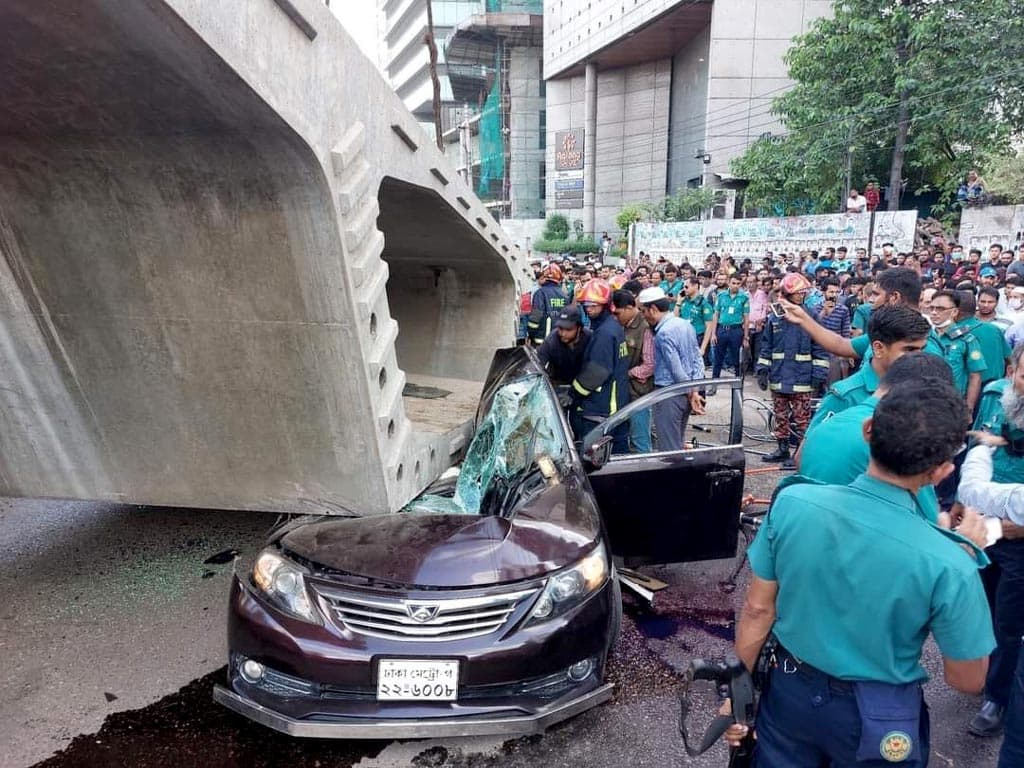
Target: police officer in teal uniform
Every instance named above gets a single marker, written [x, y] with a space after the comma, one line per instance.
[729, 325]
[893, 330]
[895, 286]
[850, 581]
[960, 348]
[835, 451]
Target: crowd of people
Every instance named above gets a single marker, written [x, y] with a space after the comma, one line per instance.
[877, 366]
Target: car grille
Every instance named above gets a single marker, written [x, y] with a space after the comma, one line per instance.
[453, 618]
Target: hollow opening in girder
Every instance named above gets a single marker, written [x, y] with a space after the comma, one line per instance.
[451, 294]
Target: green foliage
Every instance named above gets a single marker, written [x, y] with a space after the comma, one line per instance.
[957, 68]
[556, 227]
[566, 245]
[687, 204]
[1004, 176]
[629, 214]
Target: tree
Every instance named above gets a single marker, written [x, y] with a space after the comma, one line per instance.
[1004, 176]
[920, 89]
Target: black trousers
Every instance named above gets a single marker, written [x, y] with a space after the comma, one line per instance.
[1007, 618]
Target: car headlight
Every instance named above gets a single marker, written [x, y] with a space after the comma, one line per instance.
[283, 584]
[571, 586]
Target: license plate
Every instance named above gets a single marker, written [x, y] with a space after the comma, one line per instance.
[417, 680]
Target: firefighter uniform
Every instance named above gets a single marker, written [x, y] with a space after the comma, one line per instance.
[548, 302]
[794, 367]
[602, 386]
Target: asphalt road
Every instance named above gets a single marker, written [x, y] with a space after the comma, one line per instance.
[112, 634]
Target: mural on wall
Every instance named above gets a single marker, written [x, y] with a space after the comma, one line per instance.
[1003, 224]
[752, 237]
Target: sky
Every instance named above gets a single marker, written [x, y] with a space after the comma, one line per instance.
[360, 19]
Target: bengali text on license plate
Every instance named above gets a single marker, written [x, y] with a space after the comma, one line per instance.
[416, 680]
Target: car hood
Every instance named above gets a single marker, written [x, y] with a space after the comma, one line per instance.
[550, 532]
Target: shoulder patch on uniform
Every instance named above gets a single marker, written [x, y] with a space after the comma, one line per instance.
[849, 384]
[896, 746]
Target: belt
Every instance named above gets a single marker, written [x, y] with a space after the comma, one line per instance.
[788, 664]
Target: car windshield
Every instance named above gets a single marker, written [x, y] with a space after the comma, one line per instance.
[520, 426]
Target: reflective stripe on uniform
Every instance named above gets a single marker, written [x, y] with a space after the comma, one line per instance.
[614, 404]
[778, 355]
[802, 358]
[763, 361]
[801, 388]
[821, 363]
[579, 388]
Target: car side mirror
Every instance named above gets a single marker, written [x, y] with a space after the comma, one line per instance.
[597, 454]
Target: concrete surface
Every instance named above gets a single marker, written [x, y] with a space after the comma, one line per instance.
[224, 243]
[102, 601]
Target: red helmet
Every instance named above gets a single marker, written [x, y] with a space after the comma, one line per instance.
[552, 273]
[794, 282]
[594, 291]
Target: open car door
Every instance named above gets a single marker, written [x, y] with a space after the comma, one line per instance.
[675, 506]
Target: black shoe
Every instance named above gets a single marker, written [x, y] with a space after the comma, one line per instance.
[988, 721]
[789, 463]
[779, 454]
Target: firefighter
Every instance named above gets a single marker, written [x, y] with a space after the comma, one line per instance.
[794, 367]
[548, 302]
[602, 386]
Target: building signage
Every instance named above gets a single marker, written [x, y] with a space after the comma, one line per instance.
[566, 184]
[569, 150]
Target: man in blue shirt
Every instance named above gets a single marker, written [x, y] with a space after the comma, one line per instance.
[677, 359]
[845, 687]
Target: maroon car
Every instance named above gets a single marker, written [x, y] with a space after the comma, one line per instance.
[490, 603]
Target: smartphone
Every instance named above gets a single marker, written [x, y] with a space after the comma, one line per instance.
[777, 310]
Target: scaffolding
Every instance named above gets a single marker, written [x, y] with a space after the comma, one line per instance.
[492, 144]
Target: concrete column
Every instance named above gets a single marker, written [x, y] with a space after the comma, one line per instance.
[589, 146]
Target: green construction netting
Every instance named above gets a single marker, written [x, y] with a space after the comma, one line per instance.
[492, 148]
[515, 6]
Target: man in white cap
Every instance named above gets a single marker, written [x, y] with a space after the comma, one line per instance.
[677, 359]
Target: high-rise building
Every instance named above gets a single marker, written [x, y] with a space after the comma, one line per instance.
[661, 94]
[489, 64]
[405, 57]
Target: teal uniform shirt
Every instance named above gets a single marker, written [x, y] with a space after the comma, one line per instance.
[994, 347]
[862, 346]
[851, 391]
[675, 288]
[1005, 468]
[860, 318]
[963, 354]
[731, 309]
[835, 453]
[863, 578]
[698, 311]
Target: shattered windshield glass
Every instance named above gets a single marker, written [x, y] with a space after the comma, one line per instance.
[520, 426]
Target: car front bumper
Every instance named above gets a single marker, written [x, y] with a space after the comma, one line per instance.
[364, 728]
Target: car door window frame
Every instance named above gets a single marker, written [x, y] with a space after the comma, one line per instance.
[735, 437]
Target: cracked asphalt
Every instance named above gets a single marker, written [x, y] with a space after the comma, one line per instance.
[112, 635]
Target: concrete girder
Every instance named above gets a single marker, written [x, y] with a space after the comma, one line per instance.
[225, 244]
